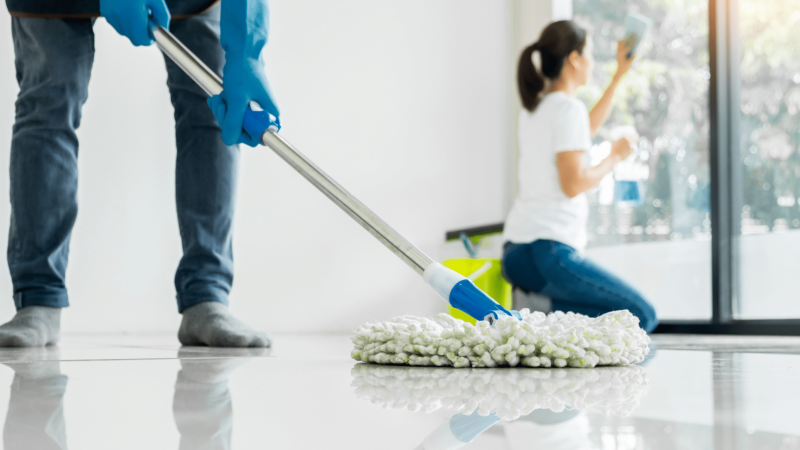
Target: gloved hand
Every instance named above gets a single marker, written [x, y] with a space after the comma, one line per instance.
[131, 17]
[244, 26]
[243, 81]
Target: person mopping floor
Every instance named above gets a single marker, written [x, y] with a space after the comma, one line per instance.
[54, 52]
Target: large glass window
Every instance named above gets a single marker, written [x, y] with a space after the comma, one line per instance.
[663, 245]
[769, 247]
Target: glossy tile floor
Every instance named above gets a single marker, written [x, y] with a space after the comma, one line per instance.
[148, 393]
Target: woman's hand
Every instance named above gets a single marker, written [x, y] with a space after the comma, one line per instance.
[576, 178]
[623, 62]
[621, 149]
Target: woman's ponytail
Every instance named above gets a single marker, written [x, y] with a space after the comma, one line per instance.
[557, 42]
[529, 81]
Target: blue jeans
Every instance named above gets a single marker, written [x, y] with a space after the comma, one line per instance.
[572, 282]
[54, 60]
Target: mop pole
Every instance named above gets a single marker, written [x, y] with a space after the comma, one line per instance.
[451, 286]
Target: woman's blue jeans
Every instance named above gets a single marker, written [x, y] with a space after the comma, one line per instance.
[54, 60]
[572, 282]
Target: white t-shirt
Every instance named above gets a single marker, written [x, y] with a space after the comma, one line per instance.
[541, 210]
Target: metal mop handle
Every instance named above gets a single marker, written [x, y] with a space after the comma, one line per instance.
[454, 288]
[212, 84]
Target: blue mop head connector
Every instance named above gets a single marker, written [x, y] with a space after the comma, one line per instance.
[462, 294]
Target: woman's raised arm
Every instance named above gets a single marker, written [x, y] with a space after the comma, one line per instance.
[601, 110]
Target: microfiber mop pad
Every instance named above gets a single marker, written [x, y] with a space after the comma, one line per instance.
[538, 340]
[507, 393]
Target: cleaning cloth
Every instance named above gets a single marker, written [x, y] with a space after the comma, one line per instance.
[538, 340]
[507, 393]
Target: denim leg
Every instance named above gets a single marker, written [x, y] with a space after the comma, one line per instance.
[53, 59]
[206, 173]
[573, 282]
[519, 267]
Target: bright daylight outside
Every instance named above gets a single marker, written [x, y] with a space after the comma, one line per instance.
[770, 163]
[663, 244]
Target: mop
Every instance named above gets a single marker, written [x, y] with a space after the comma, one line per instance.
[538, 340]
[560, 339]
[509, 394]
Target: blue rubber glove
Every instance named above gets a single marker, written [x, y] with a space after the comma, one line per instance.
[131, 17]
[244, 27]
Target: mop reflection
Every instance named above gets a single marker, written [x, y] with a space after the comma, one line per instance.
[35, 418]
[202, 404]
[541, 406]
[544, 429]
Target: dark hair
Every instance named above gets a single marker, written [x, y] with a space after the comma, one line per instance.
[557, 42]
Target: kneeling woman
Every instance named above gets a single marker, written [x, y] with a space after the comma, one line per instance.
[545, 232]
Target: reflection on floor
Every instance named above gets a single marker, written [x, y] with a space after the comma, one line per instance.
[738, 344]
[125, 392]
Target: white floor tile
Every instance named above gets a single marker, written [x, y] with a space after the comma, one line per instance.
[125, 392]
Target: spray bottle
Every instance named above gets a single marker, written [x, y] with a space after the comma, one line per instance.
[628, 174]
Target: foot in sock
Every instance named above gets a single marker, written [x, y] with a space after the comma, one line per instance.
[32, 326]
[210, 323]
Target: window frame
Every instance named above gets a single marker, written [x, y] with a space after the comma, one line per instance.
[726, 186]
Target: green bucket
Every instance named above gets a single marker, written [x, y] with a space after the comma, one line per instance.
[490, 280]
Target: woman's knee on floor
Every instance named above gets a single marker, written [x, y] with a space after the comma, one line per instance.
[581, 278]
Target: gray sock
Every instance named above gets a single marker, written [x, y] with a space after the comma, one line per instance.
[210, 323]
[33, 326]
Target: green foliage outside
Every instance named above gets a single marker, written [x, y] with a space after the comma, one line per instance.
[665, 97]
[770, 123]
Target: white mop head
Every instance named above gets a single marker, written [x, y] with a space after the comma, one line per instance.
[556, 339]
[507, 393]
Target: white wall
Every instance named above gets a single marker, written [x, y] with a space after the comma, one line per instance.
[404, 102]
[529, 19]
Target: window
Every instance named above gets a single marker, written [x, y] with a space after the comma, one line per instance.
[769, 246]
[662, 246]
